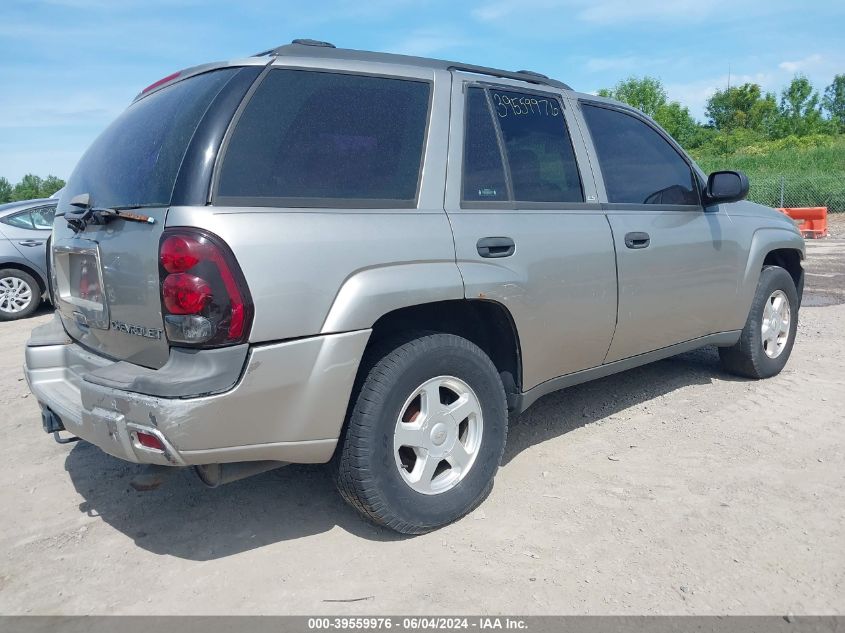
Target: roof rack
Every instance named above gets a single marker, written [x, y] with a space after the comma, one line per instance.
[522, 75]
[326, 49]
[308, 42]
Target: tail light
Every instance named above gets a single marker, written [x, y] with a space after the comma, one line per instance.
[204, 297]
[161, 82]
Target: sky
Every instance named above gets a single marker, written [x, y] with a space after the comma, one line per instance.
[68, 67]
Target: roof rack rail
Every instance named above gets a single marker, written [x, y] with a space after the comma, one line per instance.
[532, 73]
[304, 41]
[521, 75]
[326, 49]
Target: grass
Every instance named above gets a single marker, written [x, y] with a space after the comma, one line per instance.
[808, 171]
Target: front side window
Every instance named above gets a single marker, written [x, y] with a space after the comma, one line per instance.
[308, 138]
[638, 165]
[540, 161]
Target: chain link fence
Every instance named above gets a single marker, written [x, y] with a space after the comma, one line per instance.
[799, 191]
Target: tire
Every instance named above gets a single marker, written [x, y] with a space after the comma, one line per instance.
[755, 356]
[20, 294]
[404, 376]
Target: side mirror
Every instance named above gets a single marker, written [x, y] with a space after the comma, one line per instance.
[726, 186]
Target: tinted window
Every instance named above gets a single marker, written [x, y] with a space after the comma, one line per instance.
[638, 165]
[20, 220]
[42, 217]
[135, 161]
[484, 174]
[539, 153]
[310, 137]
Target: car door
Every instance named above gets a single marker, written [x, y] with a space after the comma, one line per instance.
[678, 262]
[28, 231]
[528, 231]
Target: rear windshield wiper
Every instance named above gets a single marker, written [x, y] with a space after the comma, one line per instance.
[89, 214]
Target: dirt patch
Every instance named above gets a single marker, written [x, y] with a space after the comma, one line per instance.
[672, 488]
[836, 225]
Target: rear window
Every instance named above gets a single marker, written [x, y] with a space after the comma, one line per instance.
[309, 138]
[136, 160]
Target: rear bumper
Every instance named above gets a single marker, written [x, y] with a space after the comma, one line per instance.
[288, 403]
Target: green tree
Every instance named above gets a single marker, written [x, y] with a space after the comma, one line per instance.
[764, 115]
[5, 190]
[740, 107]
[646, 94]
[50, 185]
[29, 187]
[676, 119]
[799, 109]
[834, 101]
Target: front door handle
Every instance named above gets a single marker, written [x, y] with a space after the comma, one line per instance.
[30, 243]
[637, 239]
[495, 247]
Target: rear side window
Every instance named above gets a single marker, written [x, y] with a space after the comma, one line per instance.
[484, 173]
[42, 217]
[540, 155]
[540, 161]
[309, 138]
[22, 220]
[136, 160]
[638, 165]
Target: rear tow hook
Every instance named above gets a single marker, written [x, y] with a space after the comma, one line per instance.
[64, 440]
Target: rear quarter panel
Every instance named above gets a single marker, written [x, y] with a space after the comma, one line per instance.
[304, 265]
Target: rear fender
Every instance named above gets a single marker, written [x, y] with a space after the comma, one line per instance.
[369, 294]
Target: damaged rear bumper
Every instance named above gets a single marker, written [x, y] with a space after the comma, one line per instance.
[286, 403]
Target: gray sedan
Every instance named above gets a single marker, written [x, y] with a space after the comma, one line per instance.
[24, 229]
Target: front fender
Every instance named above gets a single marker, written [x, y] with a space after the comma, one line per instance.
[369, 294]
[763, 241]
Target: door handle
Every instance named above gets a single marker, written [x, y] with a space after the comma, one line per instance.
[30, 243]
[495, 247]
[637, 239]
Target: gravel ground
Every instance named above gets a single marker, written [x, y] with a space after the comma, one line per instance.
[672, 489]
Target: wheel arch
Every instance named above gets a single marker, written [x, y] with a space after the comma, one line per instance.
[488, 324]
[791, 260]
[769, 245]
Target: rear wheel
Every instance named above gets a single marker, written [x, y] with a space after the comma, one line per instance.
[769, 333]
[425, 435]
[20, 294]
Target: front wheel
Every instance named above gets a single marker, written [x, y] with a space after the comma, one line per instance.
[769, 333]
[425, 434]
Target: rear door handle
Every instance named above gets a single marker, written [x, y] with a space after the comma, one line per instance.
[495, 247]
[30, 243]
[637, 239]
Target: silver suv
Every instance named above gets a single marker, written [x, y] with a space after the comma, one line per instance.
[323, 255]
